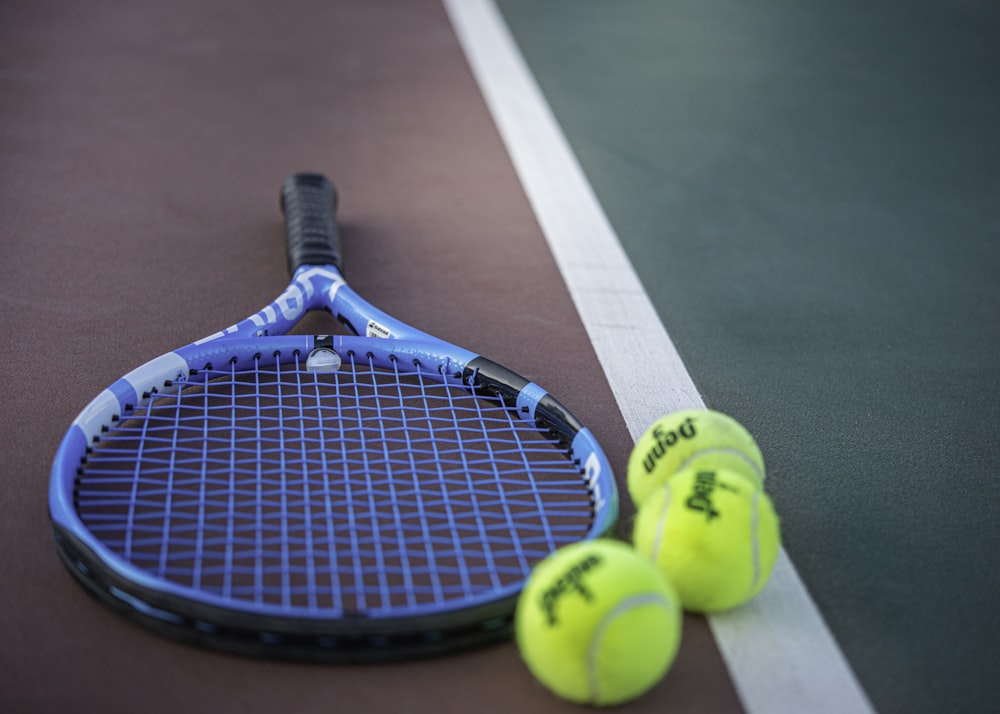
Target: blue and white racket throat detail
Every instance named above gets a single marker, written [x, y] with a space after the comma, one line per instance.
[316, 287]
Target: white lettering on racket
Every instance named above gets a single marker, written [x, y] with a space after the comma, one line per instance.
[292, 303]
[374, 329]
[335, 284]
[297, 296]
[592, 471]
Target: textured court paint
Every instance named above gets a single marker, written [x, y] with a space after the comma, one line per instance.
[794, 664]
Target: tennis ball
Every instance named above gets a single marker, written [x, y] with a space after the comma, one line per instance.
[713, 533]
[694, 437]
[598, 624]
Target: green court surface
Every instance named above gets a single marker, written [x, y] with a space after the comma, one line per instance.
[810, 194]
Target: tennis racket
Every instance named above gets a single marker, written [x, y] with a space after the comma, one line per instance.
[358, 497]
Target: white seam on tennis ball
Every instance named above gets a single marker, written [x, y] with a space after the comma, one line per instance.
[726, 450]
[594, 648]
[661, 525]
[755, 539]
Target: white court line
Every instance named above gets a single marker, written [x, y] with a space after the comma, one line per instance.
[780, 654]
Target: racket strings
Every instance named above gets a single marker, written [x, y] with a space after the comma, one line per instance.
[363, 490]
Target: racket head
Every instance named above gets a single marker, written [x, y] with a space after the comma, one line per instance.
[230, 541]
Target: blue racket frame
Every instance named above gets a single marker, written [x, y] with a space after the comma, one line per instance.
[266, 628]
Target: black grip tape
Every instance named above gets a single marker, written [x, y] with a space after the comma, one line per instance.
[309, 202]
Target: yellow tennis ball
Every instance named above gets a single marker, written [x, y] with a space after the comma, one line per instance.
[597, 623]
[690, 438]
[713, 533]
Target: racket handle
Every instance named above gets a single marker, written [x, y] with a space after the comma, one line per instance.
[309, 202]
